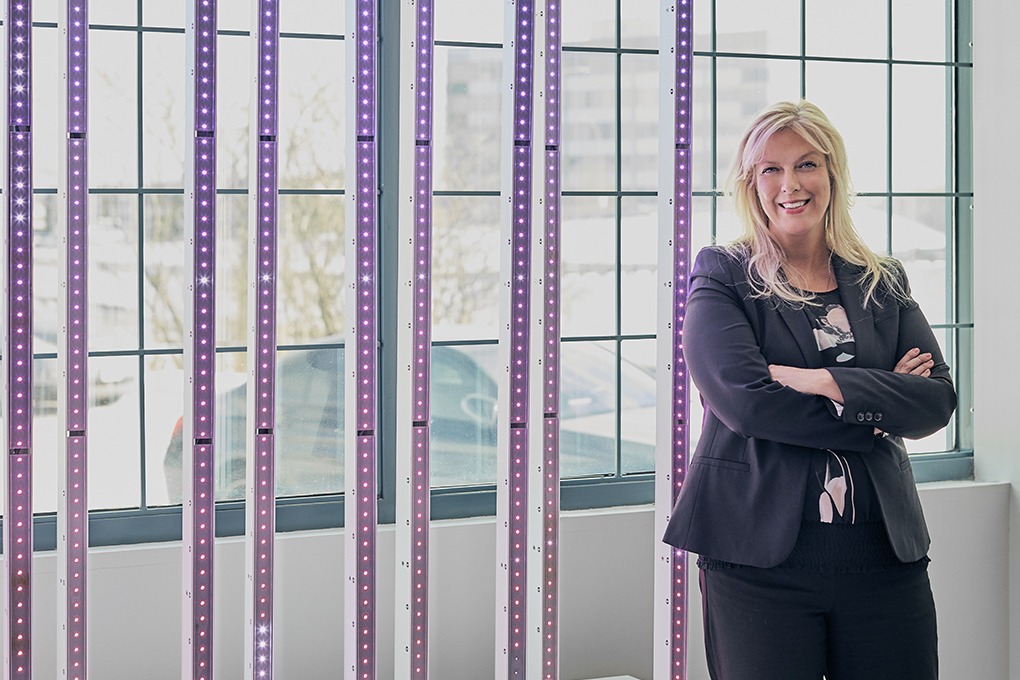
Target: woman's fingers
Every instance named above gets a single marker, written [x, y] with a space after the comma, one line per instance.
[915, 362]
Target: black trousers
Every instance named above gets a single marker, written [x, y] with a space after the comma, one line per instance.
[789, 624]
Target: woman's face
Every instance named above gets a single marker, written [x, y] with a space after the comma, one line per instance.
[793, 189]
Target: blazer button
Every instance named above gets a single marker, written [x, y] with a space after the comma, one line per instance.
[868, 416]
[878, 416]
[860, 417]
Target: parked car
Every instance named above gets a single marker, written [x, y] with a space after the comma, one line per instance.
[310, 421]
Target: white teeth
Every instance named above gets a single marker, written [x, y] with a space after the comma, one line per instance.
[793, 206]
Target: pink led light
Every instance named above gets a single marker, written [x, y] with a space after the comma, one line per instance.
[18, 345]
[681, 263]
[421, 328]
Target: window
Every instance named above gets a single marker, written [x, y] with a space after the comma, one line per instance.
[894, 76]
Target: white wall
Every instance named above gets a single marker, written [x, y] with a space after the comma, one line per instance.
[996, 242]
[606, 573]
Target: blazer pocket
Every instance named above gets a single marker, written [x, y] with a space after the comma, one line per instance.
[721, 463]
[905, 463]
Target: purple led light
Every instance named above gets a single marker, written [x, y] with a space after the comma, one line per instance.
[261, 508]
[517, 610]
[681, 263]
[551, 350]
[73, 352]
[366, 549]
[18, 346]
[421, 326]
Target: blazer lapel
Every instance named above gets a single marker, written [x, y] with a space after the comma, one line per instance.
[862, 323]
[797, 321]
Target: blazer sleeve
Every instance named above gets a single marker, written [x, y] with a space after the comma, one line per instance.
[907, 405]
[729, 369]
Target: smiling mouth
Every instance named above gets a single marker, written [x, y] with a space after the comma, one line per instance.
[794, 205]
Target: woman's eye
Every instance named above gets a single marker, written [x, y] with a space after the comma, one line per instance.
[766, 171]
[809, 164]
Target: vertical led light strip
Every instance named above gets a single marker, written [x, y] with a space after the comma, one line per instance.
[361, 469]
[260, 510]
[414, 351]
[17, 349]
[200, 350]
[547, 473]
[672, 437]
[512, 489]
[72, 348]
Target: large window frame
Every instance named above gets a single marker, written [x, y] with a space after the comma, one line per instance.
[163, 523]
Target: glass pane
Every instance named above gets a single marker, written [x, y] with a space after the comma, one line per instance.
[233, 89]
[640, 24]
[44, 11]
[313, 16]
[465, 267]
[310, 422]
[44, 107]
[113, 109]
[702, 162]
[163, 110]
[920, 155]
[233, 15]
[589, 121]
[639, 122]
[469, 20]
[114, 12]
[871, 219]
[837, 29]
[165, 284]
[728, 227]
[165, 477]
[114, 435]
[47, 241]
[467, 122]
[744, 87]
[920, 243]
[231, 271]
[588, 431]
[861, 119]
[637, 406]
[701, 224]
[919, 30]
[164, 404]
[46, 375]
[638, 260]
[703, 25]
[113, 272]
[163, 14]
[588, 265]
[462, 436]
[758, 27]
[310, 269]
[311, 114]
[944, 439]
[591, 23]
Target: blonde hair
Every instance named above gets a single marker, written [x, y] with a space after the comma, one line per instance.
[765, 256]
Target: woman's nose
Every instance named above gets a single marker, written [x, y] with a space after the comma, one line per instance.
[790, 182]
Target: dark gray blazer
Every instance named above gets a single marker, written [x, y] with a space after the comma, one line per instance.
[743, 496]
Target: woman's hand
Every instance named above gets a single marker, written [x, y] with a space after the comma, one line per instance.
[807, 380]
[915, 363]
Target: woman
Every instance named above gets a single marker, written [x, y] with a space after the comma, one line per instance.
[813, 362]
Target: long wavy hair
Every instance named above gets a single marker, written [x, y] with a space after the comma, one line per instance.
[765, 257]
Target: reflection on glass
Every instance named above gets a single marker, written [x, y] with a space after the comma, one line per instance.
[462, 432]
[309, 428]
[44, 104]
[233, 54]
[163, 109]
[469, 20]
[640, 24]
[311, 114]
[637, 408]
[639, 122]
[232, 271]
[113, 109]
[589, 121]
[702, 163]
[165, 285]
[587, 265]
[310, 268]
[113, 272]
[871, 220]
[920, 243]
[465, 267]
[920, 155]
[466, 127]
